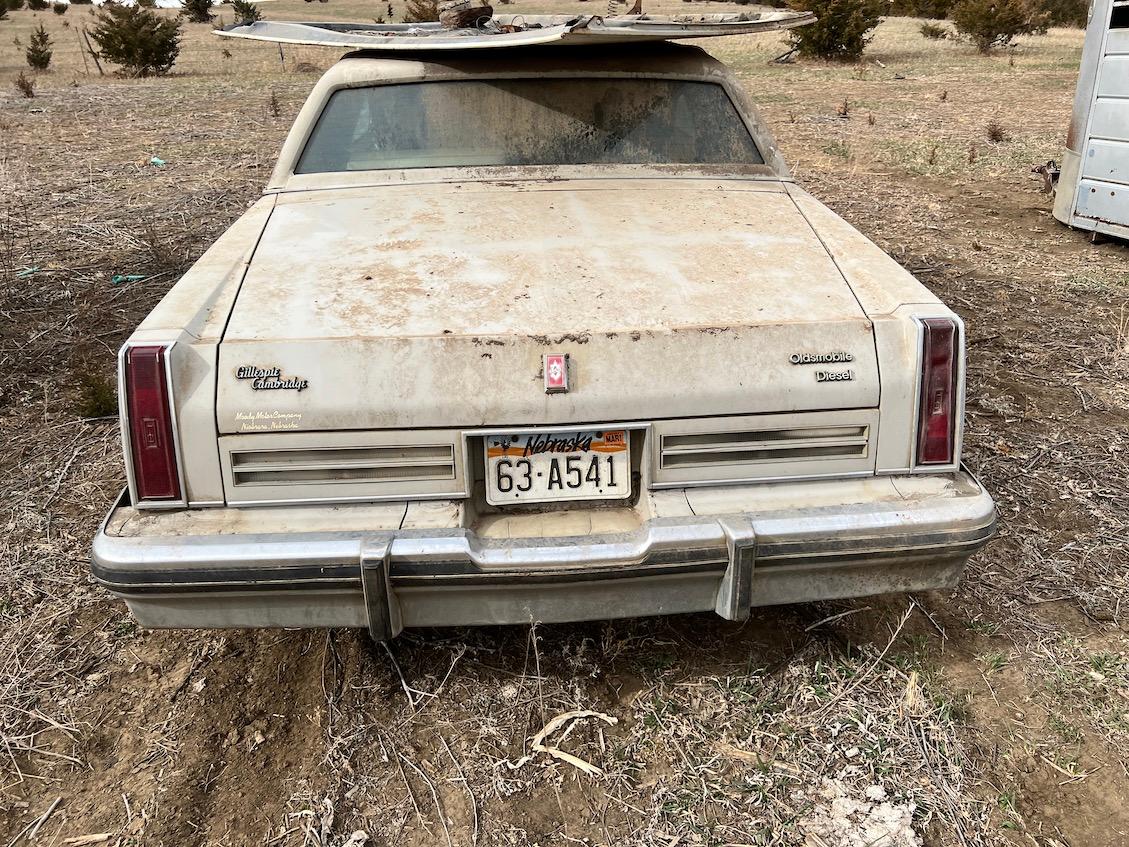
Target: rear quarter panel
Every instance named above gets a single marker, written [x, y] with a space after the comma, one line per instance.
[192, 317]
[892, 298]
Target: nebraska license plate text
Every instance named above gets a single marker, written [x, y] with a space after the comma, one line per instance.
[536, 467]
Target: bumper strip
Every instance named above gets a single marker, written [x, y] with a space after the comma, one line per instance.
[143, 564]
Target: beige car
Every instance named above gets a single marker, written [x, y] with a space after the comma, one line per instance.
[542, 335]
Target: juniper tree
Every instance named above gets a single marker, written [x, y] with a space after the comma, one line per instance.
[141, 41]
[421, 11]
[38, 51]
[841, 30]
[995, 23]
[246, 12]
[197, 11]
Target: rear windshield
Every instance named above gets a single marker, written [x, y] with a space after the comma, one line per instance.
[528, 122]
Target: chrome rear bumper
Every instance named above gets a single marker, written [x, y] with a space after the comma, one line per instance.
[728, 550]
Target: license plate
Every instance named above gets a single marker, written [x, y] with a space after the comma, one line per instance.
[538, 467]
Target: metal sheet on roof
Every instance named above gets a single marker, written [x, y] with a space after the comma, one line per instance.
[515, 31]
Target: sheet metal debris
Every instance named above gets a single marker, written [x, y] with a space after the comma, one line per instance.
[516, 31]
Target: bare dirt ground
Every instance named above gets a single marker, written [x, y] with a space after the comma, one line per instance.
[998, 714]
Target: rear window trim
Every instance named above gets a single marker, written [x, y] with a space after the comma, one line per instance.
[764, 151]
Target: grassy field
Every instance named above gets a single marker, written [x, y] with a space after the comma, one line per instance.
[995, 714]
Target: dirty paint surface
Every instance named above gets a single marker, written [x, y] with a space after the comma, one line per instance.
[433, 305]
[536, 259]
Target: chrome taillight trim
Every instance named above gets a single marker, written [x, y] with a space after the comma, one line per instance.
[959, 402]
[123, 416]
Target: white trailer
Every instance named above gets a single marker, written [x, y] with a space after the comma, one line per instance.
[1093, 189]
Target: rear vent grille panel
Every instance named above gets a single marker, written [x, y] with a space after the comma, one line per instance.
[710, 458]
[766, 436]
[343, 465]
[289, 467]
[752, 448]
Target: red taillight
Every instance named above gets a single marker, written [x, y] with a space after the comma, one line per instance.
[150, 424]
[937, 417]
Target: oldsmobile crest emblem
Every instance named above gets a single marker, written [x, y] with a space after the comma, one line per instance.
[556, 373]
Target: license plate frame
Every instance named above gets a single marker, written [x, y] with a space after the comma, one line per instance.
[557, 466]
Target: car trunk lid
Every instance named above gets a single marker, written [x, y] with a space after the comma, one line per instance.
[434, 305]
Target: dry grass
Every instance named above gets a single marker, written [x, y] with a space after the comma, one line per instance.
[996, 715]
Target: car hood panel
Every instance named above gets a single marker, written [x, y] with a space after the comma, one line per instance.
[433, 305]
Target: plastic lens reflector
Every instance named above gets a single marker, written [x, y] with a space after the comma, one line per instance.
[936, 425]
[150, 424]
